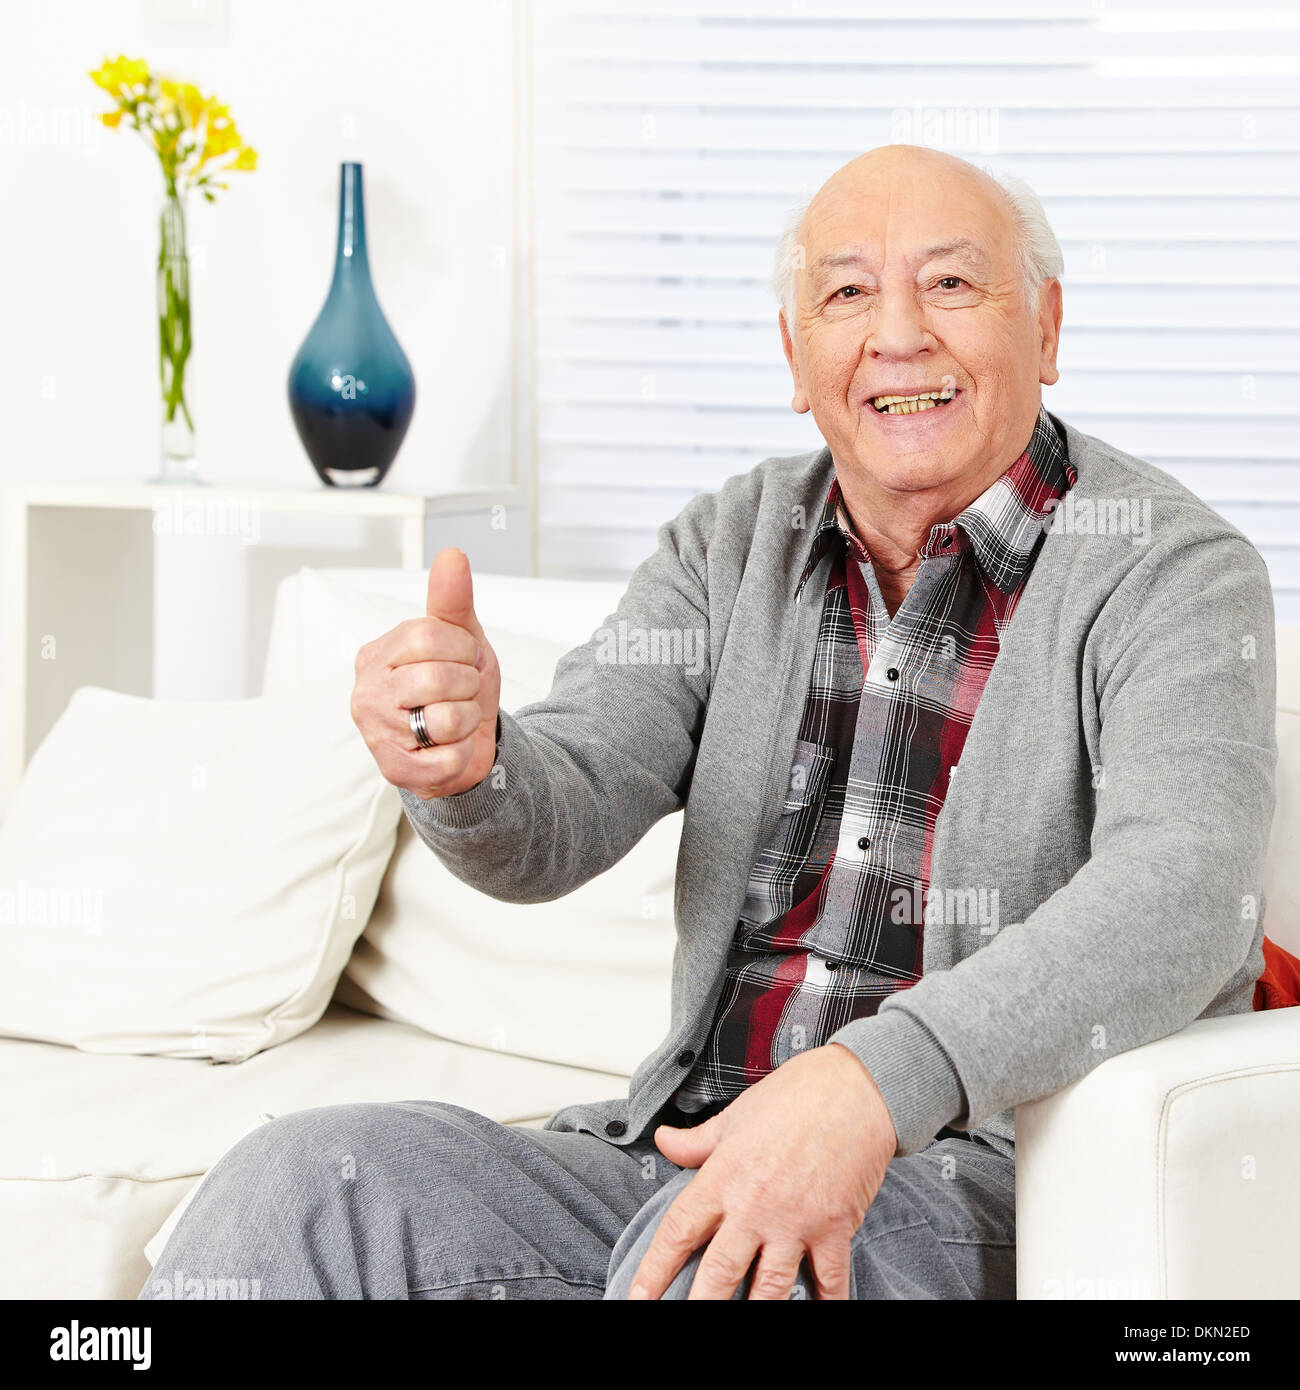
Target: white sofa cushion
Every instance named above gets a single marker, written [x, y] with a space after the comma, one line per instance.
[584, 980]
[95, 1152]
[188, 879]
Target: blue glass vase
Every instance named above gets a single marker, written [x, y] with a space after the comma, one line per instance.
[351, 389]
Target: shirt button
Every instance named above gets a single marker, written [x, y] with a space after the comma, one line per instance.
[864, 843]
[832, 965]
[892, 674]
[945, 543]
[614, 1128]
[684, 1059]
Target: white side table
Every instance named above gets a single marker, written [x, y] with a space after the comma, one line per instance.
[79, 575]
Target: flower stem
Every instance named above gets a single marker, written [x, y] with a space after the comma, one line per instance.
[174, 331]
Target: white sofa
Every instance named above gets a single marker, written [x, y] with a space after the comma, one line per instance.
[1131, 1182]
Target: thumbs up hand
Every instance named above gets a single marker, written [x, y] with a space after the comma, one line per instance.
[445, 666]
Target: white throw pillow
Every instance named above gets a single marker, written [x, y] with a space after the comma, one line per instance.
[188, 878]
[584, 980]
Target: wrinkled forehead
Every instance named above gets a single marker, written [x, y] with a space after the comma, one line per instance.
[877, 224]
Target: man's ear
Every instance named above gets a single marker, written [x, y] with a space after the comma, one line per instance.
[1049, 328]
[799, 403]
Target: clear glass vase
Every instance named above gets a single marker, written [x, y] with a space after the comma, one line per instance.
[178, 462]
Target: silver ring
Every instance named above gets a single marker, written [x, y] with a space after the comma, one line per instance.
[418, 729]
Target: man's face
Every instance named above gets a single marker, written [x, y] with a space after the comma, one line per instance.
[910, 285]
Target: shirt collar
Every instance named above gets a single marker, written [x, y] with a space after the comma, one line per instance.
[1001, 527]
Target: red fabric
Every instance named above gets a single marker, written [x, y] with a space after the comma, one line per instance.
[1279, 986]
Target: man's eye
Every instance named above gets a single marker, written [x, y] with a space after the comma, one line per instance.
[847, 291]
[956, 280]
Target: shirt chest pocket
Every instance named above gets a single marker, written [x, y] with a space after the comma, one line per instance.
[809, 772]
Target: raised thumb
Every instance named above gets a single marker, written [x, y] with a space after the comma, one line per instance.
[451, 590]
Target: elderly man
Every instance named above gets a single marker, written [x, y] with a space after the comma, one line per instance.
[977, 790]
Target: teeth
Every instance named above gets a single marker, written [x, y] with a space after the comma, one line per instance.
[910, 405]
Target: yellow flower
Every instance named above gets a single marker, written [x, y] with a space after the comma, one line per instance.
[135, 72]
[107, 76]
[192, 102]
[187, 129]
[220, 142]
[184, 100]
[121, 76]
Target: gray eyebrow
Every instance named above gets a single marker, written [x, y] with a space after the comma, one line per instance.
[961, 245]
[837, 258]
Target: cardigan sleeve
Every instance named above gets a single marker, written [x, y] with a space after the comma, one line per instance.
[1166, 908]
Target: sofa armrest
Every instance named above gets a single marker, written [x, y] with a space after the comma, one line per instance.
[1168, 1171]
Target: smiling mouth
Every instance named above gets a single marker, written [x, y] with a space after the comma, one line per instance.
[911, 405]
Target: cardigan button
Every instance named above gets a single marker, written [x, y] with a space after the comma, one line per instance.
[684, 1059]
[615, 1128]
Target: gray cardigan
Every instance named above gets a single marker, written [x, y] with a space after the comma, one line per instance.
[1113, 800]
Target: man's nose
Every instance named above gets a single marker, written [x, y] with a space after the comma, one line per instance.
[898, 328]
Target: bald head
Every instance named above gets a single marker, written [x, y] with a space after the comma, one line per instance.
[874, 173]
[916, 172]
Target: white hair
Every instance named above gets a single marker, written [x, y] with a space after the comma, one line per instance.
[1037, 250]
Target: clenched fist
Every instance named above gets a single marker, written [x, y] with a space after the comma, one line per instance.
[444, 663]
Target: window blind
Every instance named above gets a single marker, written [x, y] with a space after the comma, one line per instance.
[671, 140]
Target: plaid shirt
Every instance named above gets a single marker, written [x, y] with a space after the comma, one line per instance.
[833, 916]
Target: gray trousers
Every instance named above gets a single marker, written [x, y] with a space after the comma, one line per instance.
[417, 1199]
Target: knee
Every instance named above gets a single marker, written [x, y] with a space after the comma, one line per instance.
[618, 1285]
[311, 1159]
[636, 1240]
[297, 1151]
[294, 1181]
[632, 1245]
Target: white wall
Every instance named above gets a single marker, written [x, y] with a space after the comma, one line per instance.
[422, 94]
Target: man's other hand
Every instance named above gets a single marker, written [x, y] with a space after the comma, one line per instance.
[787, 1170]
